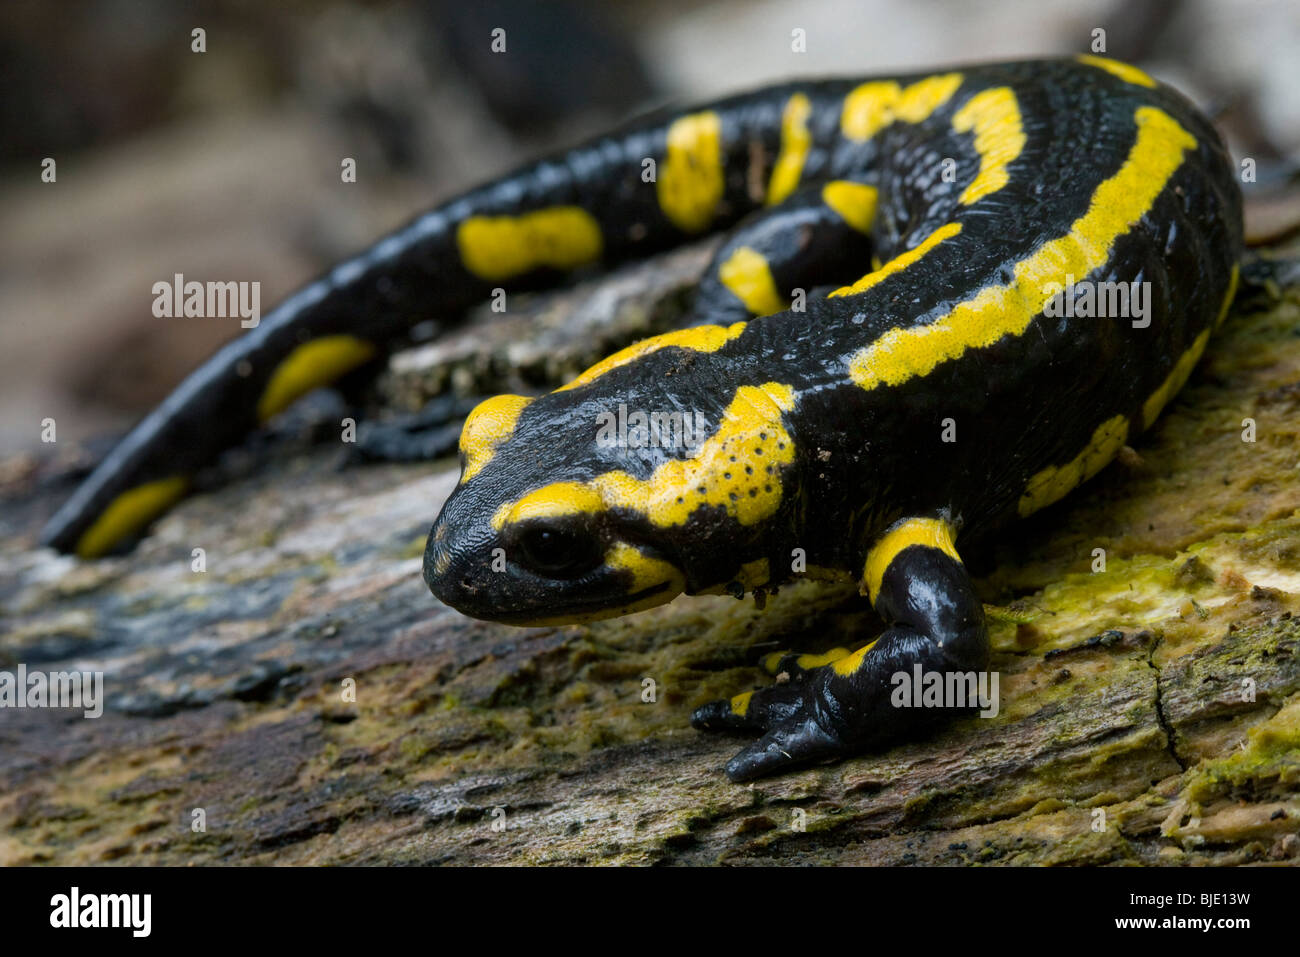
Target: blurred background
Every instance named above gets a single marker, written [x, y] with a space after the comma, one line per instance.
[225, 164]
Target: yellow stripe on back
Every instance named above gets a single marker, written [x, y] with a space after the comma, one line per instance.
[929, 532]
[129, 513]
[871, 107]
[690, 180]
[854, 202]
[900, 262]
[736, 469]
[312, 365]
[696, 338]
[796, 141]
[1129, 74]
[748, 276]
[998, 311]
[994, 117]
[503, 247]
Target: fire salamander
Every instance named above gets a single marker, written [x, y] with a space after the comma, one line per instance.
[895, 268]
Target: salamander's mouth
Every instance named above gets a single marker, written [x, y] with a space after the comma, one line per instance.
[467, 580]
[516, 600]
[592, 610]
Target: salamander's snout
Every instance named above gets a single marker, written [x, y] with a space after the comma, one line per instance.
[532, 534]
[456, 571]
[541, 564]
[437, 561]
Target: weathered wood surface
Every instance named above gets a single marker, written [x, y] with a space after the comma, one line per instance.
[1174, 738]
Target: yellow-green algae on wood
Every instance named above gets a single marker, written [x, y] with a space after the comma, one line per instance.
[1139, 746]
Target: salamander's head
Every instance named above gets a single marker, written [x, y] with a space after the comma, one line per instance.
[572, 507]
[525, 538]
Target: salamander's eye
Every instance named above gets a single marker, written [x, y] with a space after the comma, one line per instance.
[552, 550]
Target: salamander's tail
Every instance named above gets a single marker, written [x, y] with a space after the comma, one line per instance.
[593, 203]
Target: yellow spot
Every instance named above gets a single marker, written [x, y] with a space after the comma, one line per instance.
[740, 704]
[748, 276]
[1176, 379]
[900, 262]
[994, 116]
[491, 423]
[647, 572]
[310, 366]
[854, 202]
[1054, 482]
[754, 574]
[1129, 74]
[997, 311]
[849, 664]
[806, 662]
[696, 338]
[1229, 295]
[930, 532]
[751, 575]
[751, 432]
[129, 513]
[502, 247]
[690, 182]
[556, 500]
[796, 141]
[873, 106]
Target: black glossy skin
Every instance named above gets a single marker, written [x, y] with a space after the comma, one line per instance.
[406, 278]
[868, 459]
[936, 622]
[863, 459]
[415, 273]
[1020, 405]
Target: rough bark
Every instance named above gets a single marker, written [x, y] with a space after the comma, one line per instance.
[1150, 711]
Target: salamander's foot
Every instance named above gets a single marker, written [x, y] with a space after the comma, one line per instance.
[419, 437]
[840, 703]
[802, 717]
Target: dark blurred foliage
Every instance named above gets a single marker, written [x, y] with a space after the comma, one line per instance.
[1141, 30]
[565, 57]
[83, 73]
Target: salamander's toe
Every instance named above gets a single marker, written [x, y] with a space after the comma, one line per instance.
[808, 715]
[797, 742]
[751, 711]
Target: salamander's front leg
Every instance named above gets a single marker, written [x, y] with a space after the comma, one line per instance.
[918, 585]
[417, 437]
[821, 234]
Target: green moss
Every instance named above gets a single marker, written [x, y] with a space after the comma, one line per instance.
[1270, 760]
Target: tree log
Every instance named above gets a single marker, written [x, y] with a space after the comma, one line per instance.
[1150, 711]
